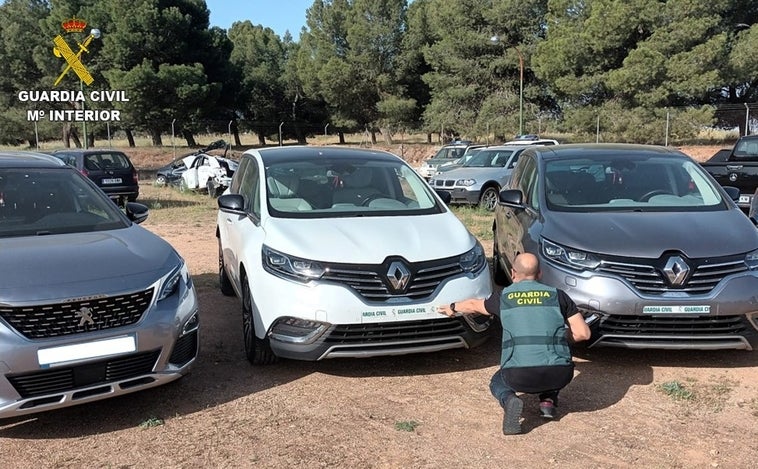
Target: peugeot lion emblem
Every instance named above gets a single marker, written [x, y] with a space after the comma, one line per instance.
[86, 316]
[676, 270]
[398, 275]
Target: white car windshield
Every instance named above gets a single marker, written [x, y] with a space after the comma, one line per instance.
[346, 187]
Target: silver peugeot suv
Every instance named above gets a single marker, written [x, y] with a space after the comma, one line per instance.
[651, 249]
[91, 305]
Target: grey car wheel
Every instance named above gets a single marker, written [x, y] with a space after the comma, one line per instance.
[499, 275]
[160, 180]
[183, 185]
[258, 351]
[488, 200]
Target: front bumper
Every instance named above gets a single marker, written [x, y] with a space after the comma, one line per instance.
[349, 326]
[165, 345]
[619, 316]
[461, 195]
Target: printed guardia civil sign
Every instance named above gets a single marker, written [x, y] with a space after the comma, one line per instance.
[72, 49]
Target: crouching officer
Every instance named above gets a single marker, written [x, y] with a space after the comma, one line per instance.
[538, 322]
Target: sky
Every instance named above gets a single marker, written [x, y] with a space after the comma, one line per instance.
[279, 15]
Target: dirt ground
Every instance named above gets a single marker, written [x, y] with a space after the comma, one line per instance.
[624, 408]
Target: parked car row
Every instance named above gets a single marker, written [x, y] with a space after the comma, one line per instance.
[329, 251]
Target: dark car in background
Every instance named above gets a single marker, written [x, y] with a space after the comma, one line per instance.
[110, 170]
[654, 253]
[92, 306]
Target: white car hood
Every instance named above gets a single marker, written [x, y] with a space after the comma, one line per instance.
[369, 240]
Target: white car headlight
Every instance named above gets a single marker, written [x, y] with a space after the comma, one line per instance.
[291, 267]
[474, 260]
[465, 182]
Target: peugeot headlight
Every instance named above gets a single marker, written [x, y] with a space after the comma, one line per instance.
[751, 259]
[571, 257]
[291, 267]
[170, 284]
[465, 182]
[474, 260]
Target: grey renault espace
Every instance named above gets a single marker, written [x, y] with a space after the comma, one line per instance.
[652, 250]
[91, 305]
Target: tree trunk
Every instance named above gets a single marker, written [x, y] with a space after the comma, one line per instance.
[155, 135]
[387, 136]
[428, 138]
[373, 137]
[130, 138]
[342, 137]
[189, 138]
[67, 134]
[262, 137]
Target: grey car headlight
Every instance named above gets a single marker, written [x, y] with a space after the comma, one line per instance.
[570, 257]
[474, 260]
[291, 267]
[170, 284]
[465, 182]
[751, 259]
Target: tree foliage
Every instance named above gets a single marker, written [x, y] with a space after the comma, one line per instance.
[631, 68]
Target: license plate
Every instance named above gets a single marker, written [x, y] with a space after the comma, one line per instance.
[53, 356]
[112, 181]
[677, 309]
[745, 199]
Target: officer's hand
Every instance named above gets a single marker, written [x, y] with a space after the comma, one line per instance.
[445, 309]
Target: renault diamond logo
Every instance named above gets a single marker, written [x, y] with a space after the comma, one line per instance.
[676, 270]
[398, 275]
[86, 316]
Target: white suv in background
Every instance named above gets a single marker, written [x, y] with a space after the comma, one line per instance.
[329, 250]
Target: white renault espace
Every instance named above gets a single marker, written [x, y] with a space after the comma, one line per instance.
[343, 252]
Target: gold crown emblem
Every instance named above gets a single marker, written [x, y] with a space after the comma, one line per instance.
[74, 25]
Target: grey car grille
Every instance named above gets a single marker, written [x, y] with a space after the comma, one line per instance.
[648, 279]
[444, 182]
[55, 320]
[59, 380]
[675, 326]
[370, 281]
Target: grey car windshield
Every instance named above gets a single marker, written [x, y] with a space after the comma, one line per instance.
[649, 183]
[489, 159]
[53, 201]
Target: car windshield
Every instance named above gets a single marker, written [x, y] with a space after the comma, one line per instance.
[342, 187]
[632, 183]
[489, 159]
[53, 201]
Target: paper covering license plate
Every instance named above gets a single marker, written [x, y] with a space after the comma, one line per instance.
[112, 181]
[677, 309]
[100, 348]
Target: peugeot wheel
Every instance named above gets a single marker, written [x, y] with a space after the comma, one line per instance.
[258, 351]
[488, 200]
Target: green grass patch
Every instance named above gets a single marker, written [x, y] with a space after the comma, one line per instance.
[151, 422]
[477, 220]
[676, 390]
[406, 426]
